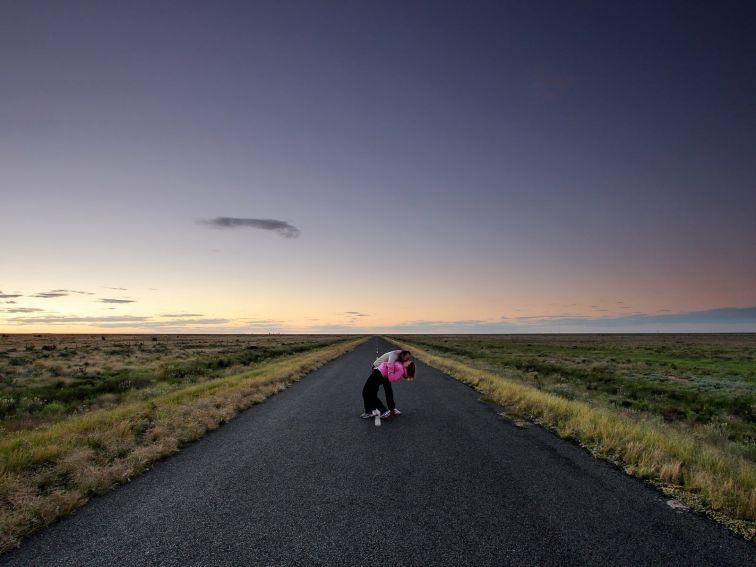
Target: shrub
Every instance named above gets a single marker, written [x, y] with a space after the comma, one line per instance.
[53, 408]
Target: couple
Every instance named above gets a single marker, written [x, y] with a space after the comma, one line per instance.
[387, 368]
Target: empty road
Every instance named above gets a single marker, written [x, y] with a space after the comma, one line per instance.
[301, 480]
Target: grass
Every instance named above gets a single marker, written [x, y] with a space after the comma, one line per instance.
[50, 470]
[702, 452]
[46, 378]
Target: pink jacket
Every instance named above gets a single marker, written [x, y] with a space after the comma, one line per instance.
[392, 370]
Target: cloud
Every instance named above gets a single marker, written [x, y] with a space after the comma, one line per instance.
[258, 325]
[181, 315]
[420, 326]
[74, 291]
[356, 314]
[661, 320]
[116, 288]
[732, 319]
[11, 301]
[60, 293]
[726, 319]
[284, 229]
[724, 315]
[526, 318]
[219, 325]
[66, 319]
[112, 300]
[332, 329]
[21, 310]
[456, 326]
[9, 295]
[170, 324]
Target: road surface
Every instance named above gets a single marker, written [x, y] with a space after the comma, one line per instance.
[301, 480]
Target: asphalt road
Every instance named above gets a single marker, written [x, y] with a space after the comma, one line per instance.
[301, 480]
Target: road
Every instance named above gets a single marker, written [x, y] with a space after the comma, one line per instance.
[301, 480]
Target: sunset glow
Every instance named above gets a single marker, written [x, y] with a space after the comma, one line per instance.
[381, 167]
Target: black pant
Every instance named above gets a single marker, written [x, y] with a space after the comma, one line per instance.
[388, 390]
[370, 392]
[389, 393]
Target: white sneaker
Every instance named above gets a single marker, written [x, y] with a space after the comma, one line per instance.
[386, 414]
[366, 415]
[396, 411]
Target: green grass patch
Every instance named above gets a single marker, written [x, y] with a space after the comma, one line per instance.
[696, 461]
[46, 378]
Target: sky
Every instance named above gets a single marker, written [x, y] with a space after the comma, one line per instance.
[393, 166]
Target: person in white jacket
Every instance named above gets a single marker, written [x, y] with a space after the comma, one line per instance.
[391, 356]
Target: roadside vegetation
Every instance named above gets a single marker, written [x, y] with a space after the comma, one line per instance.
[677, 410]
[139, 399]
[46, 378]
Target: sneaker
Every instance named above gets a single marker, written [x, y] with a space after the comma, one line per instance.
[395, 411]
[386, 414]
[366, 415]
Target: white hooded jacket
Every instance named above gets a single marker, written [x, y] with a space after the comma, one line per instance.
[391, 356]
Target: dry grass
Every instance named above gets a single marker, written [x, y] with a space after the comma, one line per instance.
[703, 475]
[48, 378]
[48, 472]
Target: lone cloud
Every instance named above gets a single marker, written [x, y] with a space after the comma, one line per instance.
[283, 229]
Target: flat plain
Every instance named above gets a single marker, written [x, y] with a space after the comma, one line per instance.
[46, 378]
[84, 413]
[301, 480]
[676, 410]
[703, 384]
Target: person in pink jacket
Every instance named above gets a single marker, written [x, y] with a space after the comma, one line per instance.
[391, 371]
[392, 356]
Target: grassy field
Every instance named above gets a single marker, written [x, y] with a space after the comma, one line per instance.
[45, 378]
[83, 413]
[679, 410]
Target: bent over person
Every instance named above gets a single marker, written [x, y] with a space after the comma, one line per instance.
[402, 356]
[389, 372]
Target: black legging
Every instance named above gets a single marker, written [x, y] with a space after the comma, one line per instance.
[389, 393]
[370, 392]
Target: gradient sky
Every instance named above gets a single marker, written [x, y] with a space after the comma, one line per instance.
[377, 166]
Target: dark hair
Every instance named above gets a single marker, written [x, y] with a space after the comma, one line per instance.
[404, 355]
[411, 370]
